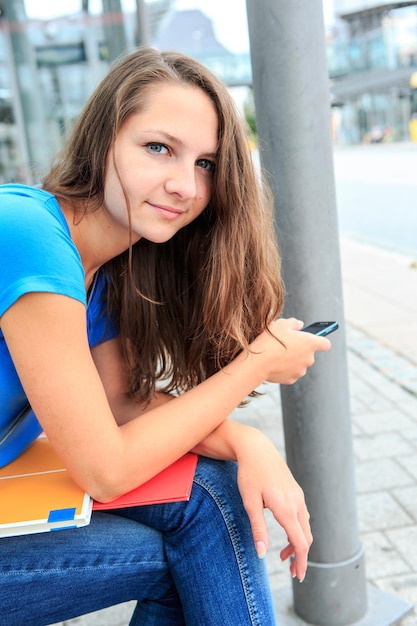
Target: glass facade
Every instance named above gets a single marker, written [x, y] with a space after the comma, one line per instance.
[344, 7]
[393, 45]
[370, 72]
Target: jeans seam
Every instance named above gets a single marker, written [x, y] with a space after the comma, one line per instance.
[242, 565]
[57, 570]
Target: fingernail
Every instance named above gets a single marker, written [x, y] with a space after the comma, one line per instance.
[260, 549]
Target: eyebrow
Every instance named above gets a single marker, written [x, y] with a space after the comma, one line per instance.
[171, 139]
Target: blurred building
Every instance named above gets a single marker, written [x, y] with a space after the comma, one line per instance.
[47, 71]
[372, 57]
[49, 68]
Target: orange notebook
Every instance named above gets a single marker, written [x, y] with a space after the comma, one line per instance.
[37, 494]
[173, 484]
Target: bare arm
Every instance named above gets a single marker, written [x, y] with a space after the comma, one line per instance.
[264, 477]
[47, 339]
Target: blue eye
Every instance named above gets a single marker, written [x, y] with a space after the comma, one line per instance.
[206, 165]
[157, 148]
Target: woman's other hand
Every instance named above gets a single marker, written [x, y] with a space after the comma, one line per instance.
[265, 481]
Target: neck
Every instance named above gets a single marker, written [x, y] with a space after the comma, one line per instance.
[92, 235]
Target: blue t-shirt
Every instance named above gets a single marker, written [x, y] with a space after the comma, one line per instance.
[38, 255]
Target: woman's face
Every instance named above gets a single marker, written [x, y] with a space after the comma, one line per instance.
[163, 159]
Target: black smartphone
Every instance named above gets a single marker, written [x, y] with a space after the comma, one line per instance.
[321, 328]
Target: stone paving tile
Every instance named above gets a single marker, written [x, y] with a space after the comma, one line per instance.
[374, 402]
[380, 511]
[357, 385]
[409, 463]
[381, 474]
[407, 497]
[412, 385]
[357, 431]
[382, 559]
[397, 394]
[359, 366]
[405, 540]
[385, 421]
[394, 366]
[409, 406]
[381, 446]
[410, 435]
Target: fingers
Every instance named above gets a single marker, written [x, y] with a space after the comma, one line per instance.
[323, 344]
[287, 323]
[300, 540]
[295, 519]
[259, 528]
[294, 323]
[287, 552]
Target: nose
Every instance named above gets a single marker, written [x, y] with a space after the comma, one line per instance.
[181, 180]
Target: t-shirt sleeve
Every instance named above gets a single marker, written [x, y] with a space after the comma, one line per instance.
[36, 249]
[38, 255]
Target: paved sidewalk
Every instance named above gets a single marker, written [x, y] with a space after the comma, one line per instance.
[380, 295]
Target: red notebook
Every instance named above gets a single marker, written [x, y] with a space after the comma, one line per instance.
[173, 484]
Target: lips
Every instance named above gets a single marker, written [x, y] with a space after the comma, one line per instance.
[168, 212]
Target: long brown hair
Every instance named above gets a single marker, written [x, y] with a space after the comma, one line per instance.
[212, 288]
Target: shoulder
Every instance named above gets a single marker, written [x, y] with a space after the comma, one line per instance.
[26, 212]
[18, 195]
[27, 207]
[36, 250]
[33, 230]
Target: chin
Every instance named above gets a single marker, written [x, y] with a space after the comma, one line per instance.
[161, 236]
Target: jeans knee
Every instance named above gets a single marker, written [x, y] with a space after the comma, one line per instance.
[218, 478]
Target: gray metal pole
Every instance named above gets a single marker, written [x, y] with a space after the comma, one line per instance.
[293, 116]
[91, 42]
[114, 28]
[141, 35]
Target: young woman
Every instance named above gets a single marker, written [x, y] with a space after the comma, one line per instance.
[139, 297]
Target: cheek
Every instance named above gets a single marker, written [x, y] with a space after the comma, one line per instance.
[113, 195]
[200, 204]
[114, 199]
[204, 193]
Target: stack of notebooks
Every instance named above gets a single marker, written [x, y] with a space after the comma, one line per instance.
[37, 494]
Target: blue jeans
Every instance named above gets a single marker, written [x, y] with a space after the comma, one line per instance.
[190, 563]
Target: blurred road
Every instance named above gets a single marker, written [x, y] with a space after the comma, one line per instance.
[376, 188]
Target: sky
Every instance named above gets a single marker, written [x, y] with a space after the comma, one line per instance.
[223, 13]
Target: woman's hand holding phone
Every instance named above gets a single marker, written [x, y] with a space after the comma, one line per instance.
[287, 352]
